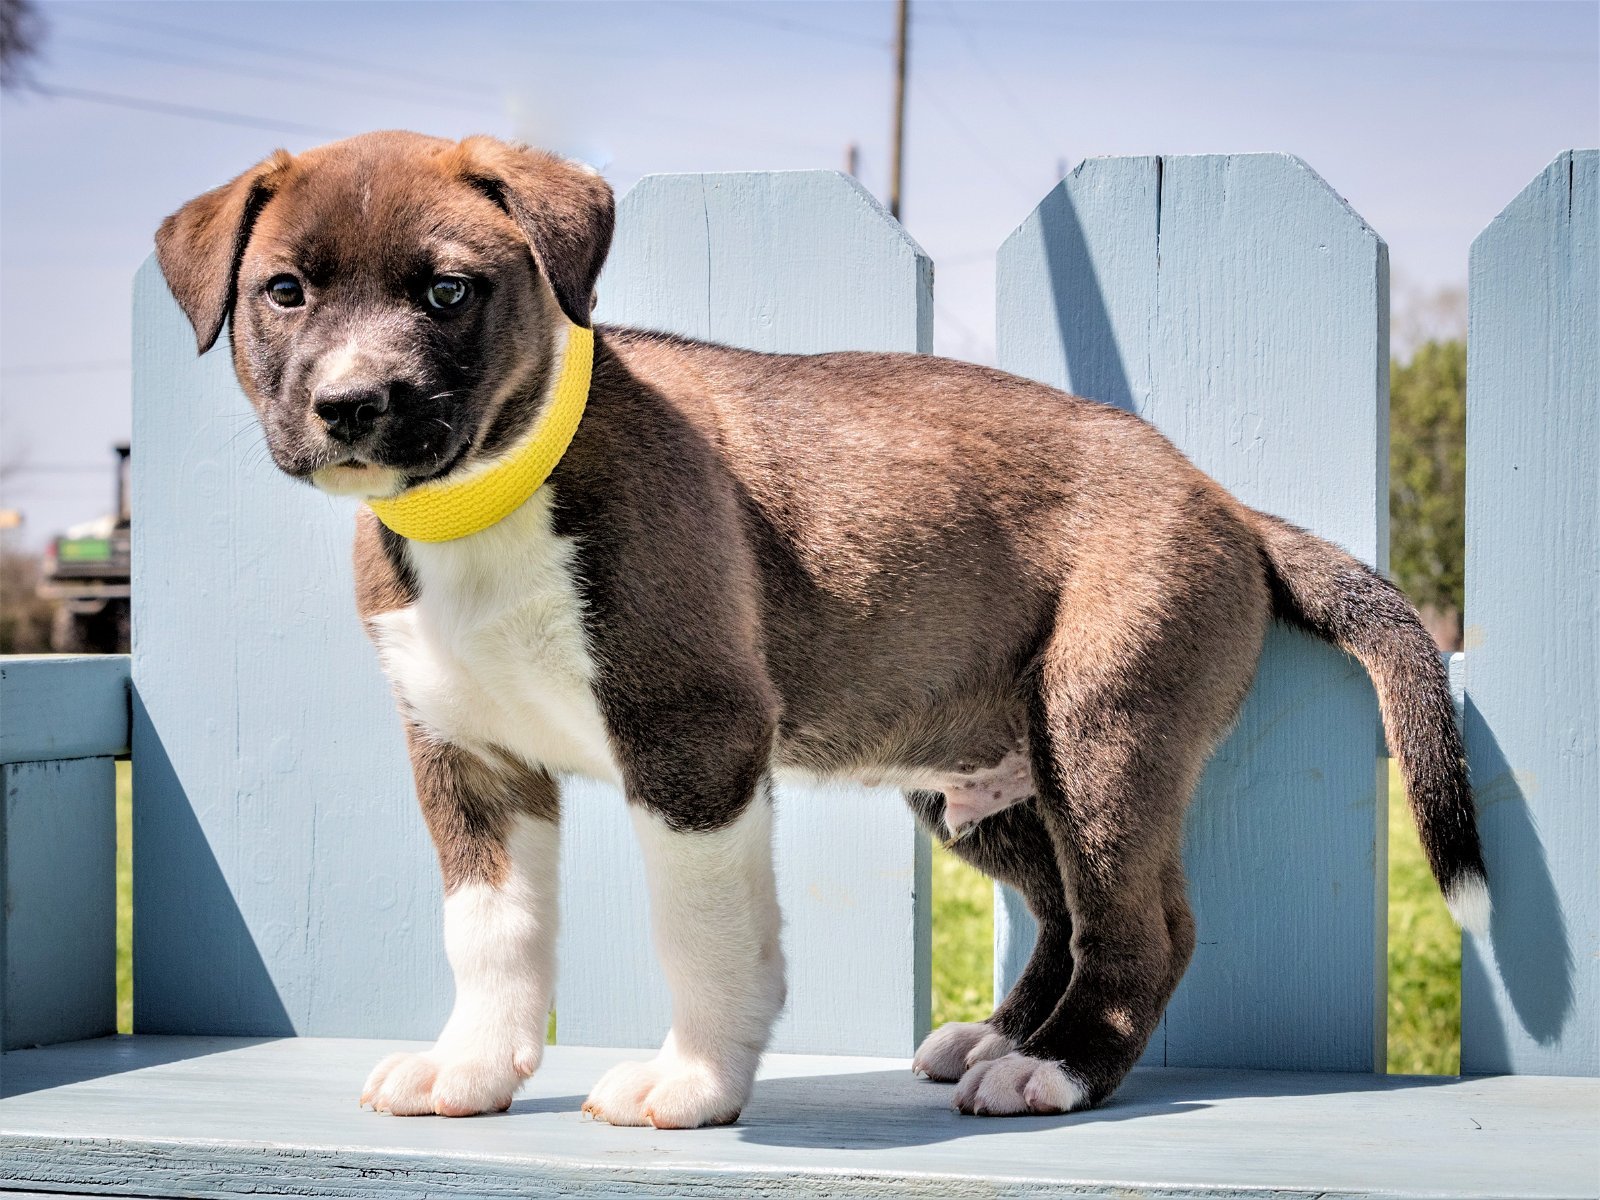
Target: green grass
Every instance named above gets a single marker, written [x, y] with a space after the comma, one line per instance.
[1424, 951]
[1424, 947]
[124, 897]
[1424, 956]
[963, 940]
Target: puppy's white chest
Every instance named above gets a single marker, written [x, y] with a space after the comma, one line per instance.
[494, 650]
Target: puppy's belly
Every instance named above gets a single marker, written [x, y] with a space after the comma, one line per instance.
[970, 798]
[971, 793]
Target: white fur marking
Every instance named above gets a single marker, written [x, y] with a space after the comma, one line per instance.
[494, 650]
[1468, 902]
[359, 480]
[336, 364]
[714, 908]
[501, 944]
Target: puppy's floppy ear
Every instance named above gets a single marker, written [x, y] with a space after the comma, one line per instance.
[201, 245]
[564, 210]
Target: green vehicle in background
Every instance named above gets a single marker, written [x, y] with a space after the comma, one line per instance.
[86, 572]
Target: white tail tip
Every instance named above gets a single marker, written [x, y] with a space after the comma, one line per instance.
[1468, 901]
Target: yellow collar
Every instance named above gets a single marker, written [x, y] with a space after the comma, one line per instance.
[442, 510]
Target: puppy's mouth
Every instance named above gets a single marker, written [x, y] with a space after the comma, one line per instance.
[364, 473]
[365, 481]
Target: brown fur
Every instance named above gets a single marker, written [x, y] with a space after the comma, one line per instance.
[468, 801]
[849, 564]
[468, 796]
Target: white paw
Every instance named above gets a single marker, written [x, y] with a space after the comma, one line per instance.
[416, 1085]
[668, 1092]
[1003, 1087]
[953, 1047]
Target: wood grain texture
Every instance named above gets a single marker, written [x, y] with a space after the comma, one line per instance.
[58, 707]
[1238, 304]
[209, 1117]
[1530, 999]
[799, 261]
[58, 931]
[283, 880]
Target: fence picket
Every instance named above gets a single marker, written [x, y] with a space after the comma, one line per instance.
[799, 262]
[1530, 999]
[1242, 307]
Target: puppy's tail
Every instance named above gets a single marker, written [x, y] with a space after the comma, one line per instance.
[1321, 589]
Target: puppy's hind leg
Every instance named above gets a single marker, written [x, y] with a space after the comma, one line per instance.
[714, 907]
[1120, 741]
[1013, 847]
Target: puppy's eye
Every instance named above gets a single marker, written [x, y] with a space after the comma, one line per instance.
[285, 291]
[448, 291]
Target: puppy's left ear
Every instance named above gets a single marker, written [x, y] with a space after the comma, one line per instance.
[201, 245]
[565, 211]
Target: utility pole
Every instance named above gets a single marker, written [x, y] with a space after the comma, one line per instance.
[852, 159]
[897, 142]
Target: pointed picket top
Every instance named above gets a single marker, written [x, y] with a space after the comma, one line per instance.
[789, 261]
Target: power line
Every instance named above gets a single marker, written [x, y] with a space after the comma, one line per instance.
[999, 80]
[325, 81]
[141, 104]
[272, 73]
[982, 148]
[294, 54]
[740, 13]
[1314, 45]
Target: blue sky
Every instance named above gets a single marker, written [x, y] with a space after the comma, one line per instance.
[1427, 117]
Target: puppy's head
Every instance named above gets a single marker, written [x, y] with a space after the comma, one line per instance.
[396, 300]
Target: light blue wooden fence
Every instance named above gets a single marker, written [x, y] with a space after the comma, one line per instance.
[284, 883]
[63, 721]
[1530, 1001]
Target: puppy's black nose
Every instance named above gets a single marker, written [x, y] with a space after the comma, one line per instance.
[350, 410]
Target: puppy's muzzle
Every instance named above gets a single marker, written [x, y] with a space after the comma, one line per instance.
[350, 410]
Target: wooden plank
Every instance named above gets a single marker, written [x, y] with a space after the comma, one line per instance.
[283, 879]
[797, 262]
[1530, 1001]
[1238, 304]
[205, 1117]
[59, 706]
[58, 931]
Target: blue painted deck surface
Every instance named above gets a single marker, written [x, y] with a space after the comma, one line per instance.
[211, 1117]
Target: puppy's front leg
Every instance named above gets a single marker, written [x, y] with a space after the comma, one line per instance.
[714, 906]
[494, 823]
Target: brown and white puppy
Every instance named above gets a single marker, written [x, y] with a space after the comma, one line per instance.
[1027, 609]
